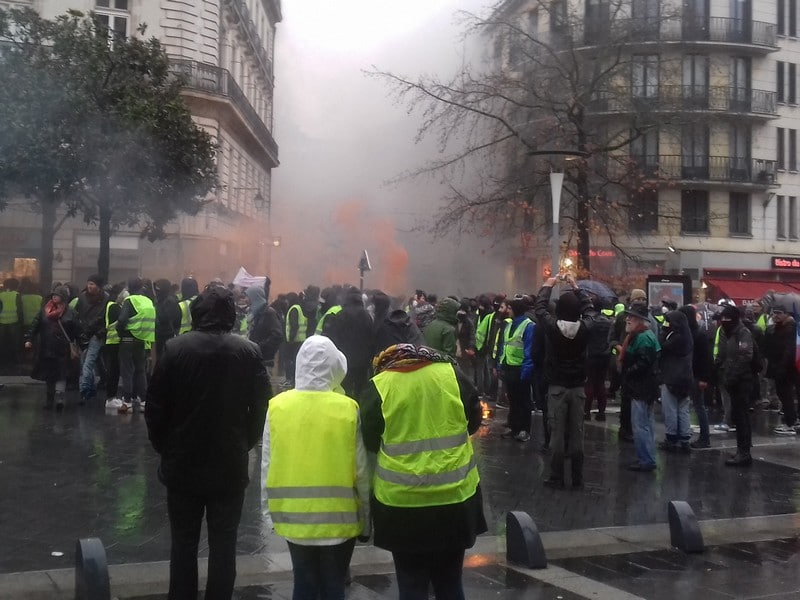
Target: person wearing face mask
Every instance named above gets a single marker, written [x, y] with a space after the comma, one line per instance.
[638, 364]
[676, 380]
[736, 356]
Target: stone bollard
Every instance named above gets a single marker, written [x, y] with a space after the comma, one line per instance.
[523, 543]
[91, 570]
[684, 531]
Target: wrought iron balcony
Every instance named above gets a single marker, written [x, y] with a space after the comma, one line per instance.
[679, 98]
[719, 30]
[215, 80]
[717, 169]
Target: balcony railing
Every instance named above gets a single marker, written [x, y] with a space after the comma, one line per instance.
[723, 169]
[724, 30]
[687, 98]
[219, 82]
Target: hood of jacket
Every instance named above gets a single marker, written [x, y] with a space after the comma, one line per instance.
[214, 310]
[691, 316]
[257, 297]
[320, 365]
[399, 318]
[447, 310]
[569, 329]
[676, 324]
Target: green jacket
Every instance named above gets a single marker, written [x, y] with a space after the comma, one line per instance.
[441, 333]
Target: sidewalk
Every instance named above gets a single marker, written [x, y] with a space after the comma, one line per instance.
[85, 473]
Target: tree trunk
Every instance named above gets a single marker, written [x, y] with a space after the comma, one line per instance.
[104, 256]
[46, 255]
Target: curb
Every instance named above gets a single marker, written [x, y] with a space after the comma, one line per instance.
[129, 581]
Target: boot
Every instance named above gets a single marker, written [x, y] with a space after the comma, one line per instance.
[50, 398]
[59, 401]
[741, 459]
[556, 479]
[577, 471]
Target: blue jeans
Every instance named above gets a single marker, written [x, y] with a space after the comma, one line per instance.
[644, 432]
[676, 416]
[87, 383]
[320, 571]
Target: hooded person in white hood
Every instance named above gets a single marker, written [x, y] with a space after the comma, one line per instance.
[315, 471]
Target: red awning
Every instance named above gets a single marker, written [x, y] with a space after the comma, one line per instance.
[749, 291]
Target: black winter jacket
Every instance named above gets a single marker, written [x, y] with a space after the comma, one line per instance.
[779, 349]
[565, 361]
[677, 344]
[735, 355]
[396, 328]
[267, 332]
[205, 410]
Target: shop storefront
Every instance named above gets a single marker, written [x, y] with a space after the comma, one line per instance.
[19, 253]
[743, 287]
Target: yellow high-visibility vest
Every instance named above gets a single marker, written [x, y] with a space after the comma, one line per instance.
[186, 316]
[331, 311]
[142, 325]
[513, 344]
[8, 315]
[112, 336]
[311, 483]
[426, 456]
[31, 305]
[302, 324]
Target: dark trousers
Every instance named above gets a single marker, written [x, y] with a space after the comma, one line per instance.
[10, 344]
[740, 411]
[290, 359]
[355, 381]
[111, 361]
[519, 402]
[185, 519]
[483, 374]
[320, 571]
[540, 397]
[784, 388]
[132, 370]
[698, 400]
[417, 571]
[595, 387]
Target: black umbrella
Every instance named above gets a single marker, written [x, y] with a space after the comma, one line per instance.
[601, 290]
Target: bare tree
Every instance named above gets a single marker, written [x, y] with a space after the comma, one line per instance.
[553, 80]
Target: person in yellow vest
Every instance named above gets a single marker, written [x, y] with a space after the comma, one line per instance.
[31, 301]
[136, 327]
[330, 305]
[116, 296]
[315, 470]
[417, 414]
[206, 405]
[12, 317]
[483, 346]
[297, 328]
[189, 291]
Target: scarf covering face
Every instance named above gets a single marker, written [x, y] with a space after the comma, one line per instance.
[407, 357]
[54, 309]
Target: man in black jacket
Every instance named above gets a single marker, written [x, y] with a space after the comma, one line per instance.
[205, 411]
[566, 339]
[91, 313]
[779, 347]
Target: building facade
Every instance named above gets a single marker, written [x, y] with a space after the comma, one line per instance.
[709, 91]
[225, 50]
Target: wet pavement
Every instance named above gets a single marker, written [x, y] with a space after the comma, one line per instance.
[88, 473]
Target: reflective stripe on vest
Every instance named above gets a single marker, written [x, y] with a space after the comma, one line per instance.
[9, 316]
[331, 311]
[426, 456]
[716, 341]
[31, 305]
[761, 322]
[142, 325]
[186, 316]
[312, 470]
[482, 331]
[302, 324]
[618, 308]
[514, 345]
[112, 337]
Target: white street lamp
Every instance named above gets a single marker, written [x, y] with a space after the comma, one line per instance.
[556, 185]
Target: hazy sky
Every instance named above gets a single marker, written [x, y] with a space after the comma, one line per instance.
[342, 136]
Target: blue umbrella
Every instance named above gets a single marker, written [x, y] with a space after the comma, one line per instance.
[601, 290]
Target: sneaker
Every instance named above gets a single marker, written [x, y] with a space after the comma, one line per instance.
[731, 429]
[523, 436]
[699, 444]
[721, 427]
[138, 406]
[500, 404]
[784, 430]
[114, 403]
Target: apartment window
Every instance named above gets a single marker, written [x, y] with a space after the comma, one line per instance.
[780, 158]
[792, 17]
[792, 217]
[643, 211]
[739, 213]
[695, 80]
[792, 77]
[780, 88]
[113, 16]
[694, 151]
[694, 211]
[793, 149]
[781, 17]
[644, 76]
[558, 15]
[644, 150]
[780, 218]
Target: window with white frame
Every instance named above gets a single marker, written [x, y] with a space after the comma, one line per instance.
[792, 217]
[780, 220]
[114, 16]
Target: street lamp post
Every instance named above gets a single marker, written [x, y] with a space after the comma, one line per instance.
[556, 185]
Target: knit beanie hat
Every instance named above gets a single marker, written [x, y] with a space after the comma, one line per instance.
[637, 294]
[96, 279]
